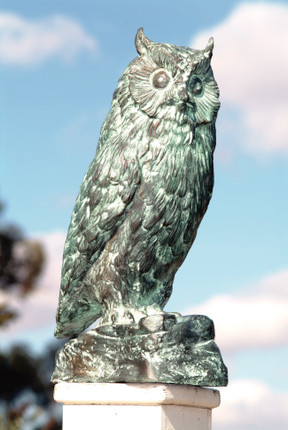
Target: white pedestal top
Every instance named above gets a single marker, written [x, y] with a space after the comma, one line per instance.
[136, 394]
[129, 406]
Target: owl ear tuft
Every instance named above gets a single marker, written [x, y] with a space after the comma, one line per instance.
[208, 51]
[142, 43]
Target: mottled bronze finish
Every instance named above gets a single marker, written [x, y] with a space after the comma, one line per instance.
[135, 219]
[162, 348]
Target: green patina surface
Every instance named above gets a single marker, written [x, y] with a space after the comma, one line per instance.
[136, 217]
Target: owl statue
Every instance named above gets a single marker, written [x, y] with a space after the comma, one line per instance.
[146, 191]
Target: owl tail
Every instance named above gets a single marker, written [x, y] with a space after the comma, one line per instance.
[74, 320]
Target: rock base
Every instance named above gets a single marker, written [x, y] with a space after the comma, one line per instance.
[164, 348]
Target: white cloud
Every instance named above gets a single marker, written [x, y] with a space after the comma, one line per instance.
[29, 42]
[251, 405]
[254, 318]
[251, 67]
[38, 309]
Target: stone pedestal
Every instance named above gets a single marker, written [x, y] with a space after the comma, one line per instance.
[129, 406]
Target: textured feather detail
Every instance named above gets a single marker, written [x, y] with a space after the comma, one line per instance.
[146, 191]
[88, 235]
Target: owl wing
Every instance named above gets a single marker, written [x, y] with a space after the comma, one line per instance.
[107, 190]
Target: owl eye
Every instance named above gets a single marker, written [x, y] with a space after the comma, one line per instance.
[160, 79]
[196, 86]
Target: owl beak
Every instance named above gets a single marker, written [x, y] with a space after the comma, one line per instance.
[183, 94]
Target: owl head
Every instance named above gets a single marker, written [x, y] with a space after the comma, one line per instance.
[166, 76]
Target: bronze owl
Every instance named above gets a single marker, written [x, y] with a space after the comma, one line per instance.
[146, 191]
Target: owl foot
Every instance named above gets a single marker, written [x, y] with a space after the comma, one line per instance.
[122, 316]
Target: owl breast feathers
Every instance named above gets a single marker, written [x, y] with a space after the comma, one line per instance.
[146, 191]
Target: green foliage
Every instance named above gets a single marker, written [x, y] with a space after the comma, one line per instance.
[26, 394]
[21, 262]
[19, 371]
[25, 391]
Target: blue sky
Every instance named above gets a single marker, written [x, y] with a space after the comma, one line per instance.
[60, 62]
